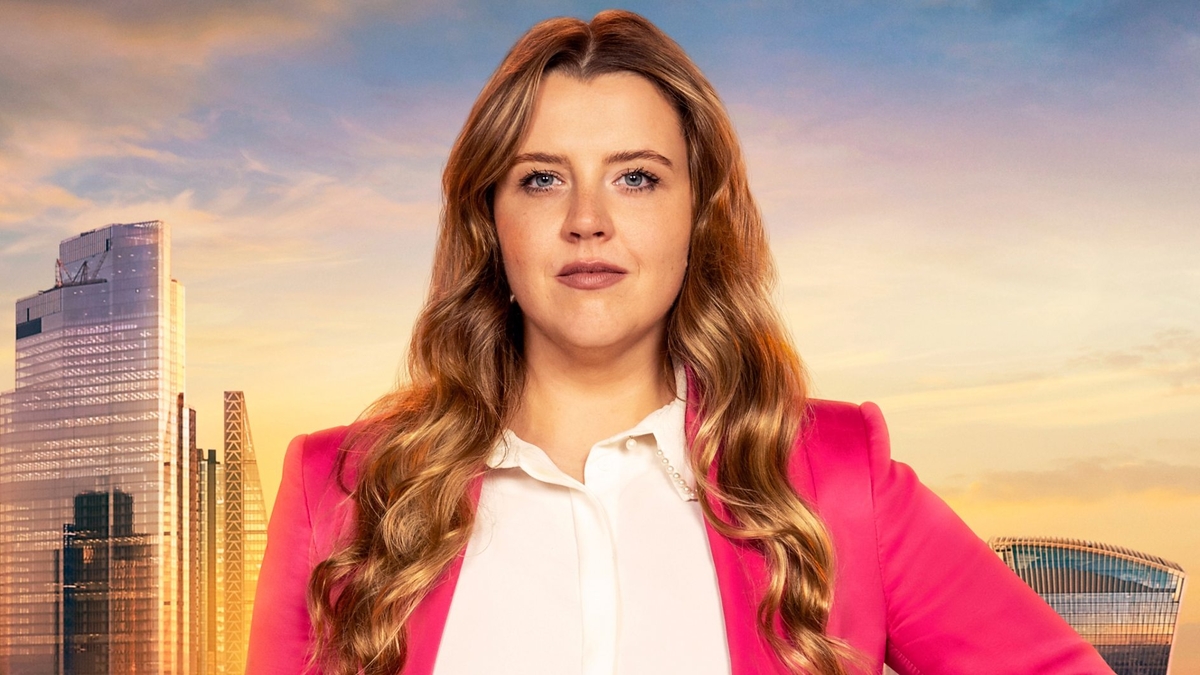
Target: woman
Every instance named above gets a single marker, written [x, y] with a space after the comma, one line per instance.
[605, 461]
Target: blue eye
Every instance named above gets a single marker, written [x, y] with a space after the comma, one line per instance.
[538, 181]
[639, 180]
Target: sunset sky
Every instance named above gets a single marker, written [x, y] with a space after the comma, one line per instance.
[986, 215]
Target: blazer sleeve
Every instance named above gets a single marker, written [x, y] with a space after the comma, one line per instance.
[952, 606]
[280, 632]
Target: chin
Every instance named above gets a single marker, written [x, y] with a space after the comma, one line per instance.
[580, 337]
[593, 334]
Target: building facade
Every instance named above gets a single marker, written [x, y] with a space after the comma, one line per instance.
[233, 523]
[212, 563]
[245, 536]
[107, 584]
[1123, 602]
[97, 512]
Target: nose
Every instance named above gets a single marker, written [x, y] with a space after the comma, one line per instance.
[588, 217]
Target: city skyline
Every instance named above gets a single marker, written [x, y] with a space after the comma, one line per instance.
[983, 215]
[124, 547]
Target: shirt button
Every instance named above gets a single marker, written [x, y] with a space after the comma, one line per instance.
[631, 444]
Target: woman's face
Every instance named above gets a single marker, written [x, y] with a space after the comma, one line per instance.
[594, 217]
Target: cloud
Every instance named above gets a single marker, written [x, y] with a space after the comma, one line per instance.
[87, 81]
[90, 63]
[1083, 481]
[20, 201]
[310, 220]
[115, 110]
[1155, 380]
[1172, 356]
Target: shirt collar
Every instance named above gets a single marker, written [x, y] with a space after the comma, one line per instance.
[664, 426]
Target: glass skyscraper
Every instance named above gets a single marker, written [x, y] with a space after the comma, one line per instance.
[97, 487]
[1124, 602]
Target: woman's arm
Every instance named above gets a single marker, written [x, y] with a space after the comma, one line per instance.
[280, 632]
[952, 605]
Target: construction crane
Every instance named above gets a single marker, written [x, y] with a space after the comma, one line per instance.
[82, 276]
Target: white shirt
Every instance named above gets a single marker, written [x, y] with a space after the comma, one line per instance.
[612, 576]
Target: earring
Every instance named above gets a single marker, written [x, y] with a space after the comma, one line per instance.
[512, 298]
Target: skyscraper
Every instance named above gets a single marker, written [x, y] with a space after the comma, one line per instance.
[95, 466]
[107, 572]
[234, 525]
[212, 563]
[1124, 602]
[245, 529]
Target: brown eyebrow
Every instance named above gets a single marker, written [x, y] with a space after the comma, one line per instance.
[623, 156]
[630, 155]
[539, 158]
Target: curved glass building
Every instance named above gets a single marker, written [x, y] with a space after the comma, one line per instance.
[1124, 602]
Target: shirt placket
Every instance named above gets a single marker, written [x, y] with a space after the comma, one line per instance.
[595, 538]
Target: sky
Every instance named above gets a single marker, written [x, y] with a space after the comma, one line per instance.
[985, 215]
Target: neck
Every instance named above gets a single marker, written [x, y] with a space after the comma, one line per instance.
[571, 401]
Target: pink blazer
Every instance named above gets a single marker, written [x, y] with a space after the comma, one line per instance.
[914, 587]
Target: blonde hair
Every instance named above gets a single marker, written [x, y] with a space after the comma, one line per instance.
[427, 441]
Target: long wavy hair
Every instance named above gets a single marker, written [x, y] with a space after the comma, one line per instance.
[422, 446]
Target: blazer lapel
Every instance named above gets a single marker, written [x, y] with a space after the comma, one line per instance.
[738, 569]
[428, 619]
[736, 566]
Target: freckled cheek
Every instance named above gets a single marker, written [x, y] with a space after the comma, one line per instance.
[524, 260]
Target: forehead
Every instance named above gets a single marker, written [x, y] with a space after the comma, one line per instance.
[613, 111]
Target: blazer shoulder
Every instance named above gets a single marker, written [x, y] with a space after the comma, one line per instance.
[298, 536]
[328, 494]
[840, 451]
[842, 456]
[846, 431]
[321, 447]
[839, 447]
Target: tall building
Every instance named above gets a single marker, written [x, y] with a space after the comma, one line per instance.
[96, 474]
[1124, 602]
[195, 543]
[234, 536]
[245, 529]
[107, 572]
[212, 563]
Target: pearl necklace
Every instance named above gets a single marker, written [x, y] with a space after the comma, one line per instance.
[674, 475]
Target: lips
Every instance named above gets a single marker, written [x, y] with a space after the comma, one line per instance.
[591, 275]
